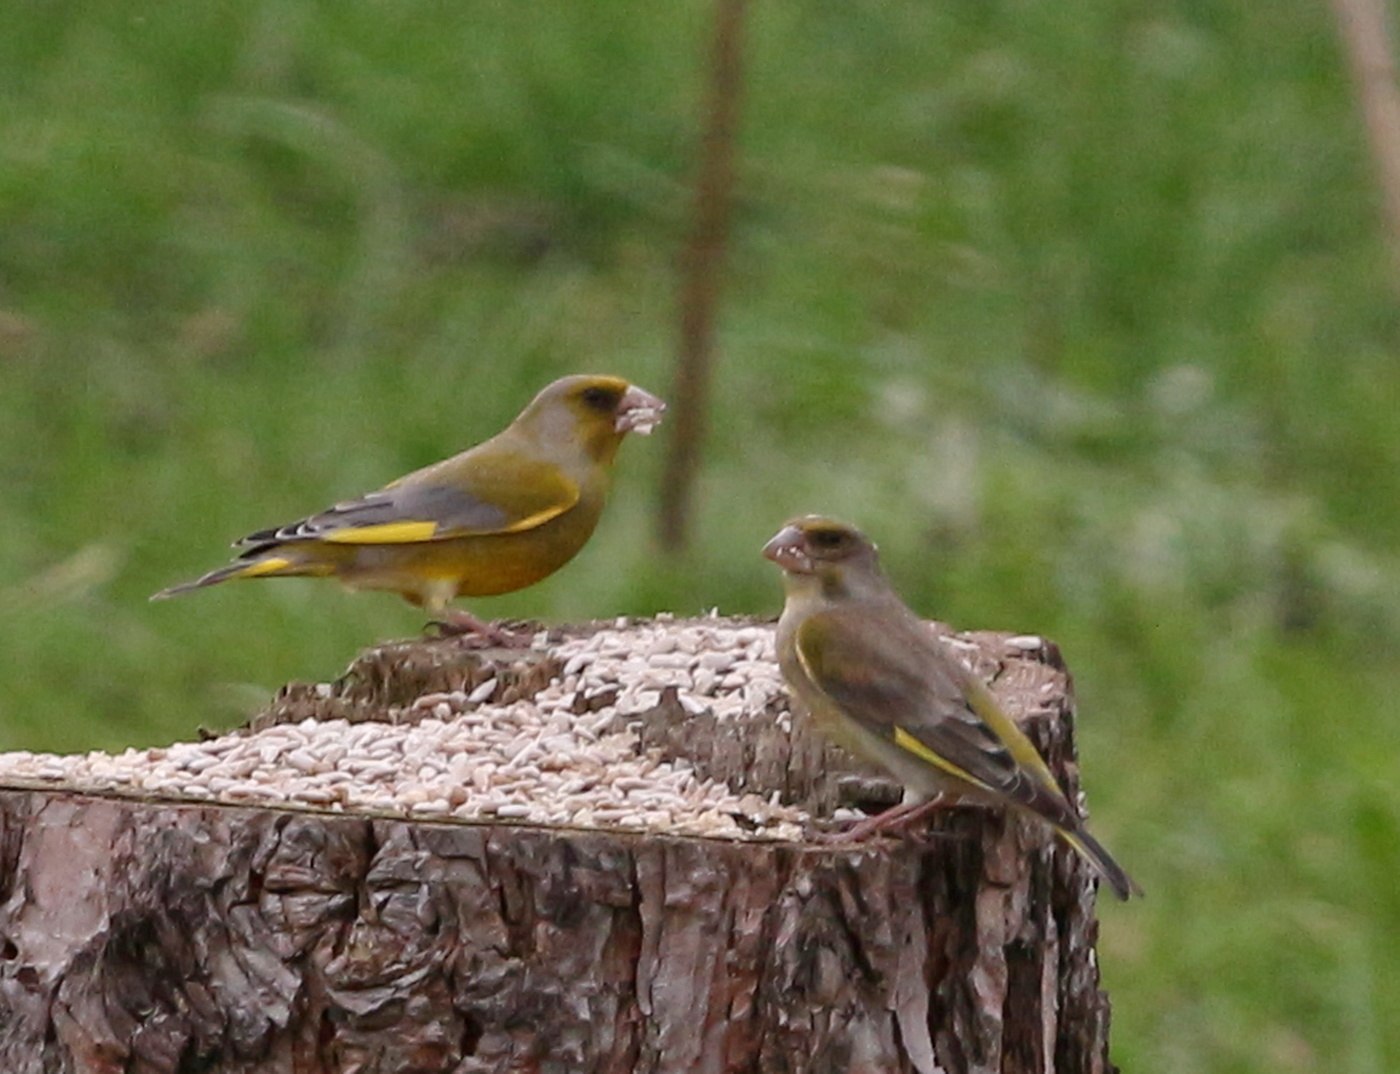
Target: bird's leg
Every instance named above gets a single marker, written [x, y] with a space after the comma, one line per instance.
[454, 623]
[923, 811]
[900, 817]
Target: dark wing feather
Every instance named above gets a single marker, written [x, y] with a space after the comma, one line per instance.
[881, 665]
[461, 497]
[453, 512]
[883, 668]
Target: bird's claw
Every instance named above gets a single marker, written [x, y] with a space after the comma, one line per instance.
[476, 632]
[898, 821]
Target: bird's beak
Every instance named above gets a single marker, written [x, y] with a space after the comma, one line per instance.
[638, 412]
[788, 550]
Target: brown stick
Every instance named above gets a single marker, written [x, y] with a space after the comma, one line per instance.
[1364, 34]
[702, 263]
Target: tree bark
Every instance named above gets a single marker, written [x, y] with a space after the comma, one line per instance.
[162, 936]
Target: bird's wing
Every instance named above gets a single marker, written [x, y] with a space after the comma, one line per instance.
[887, 672]
[461, 497]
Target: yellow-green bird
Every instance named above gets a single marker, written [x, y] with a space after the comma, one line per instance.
[877, 681]
[496, 518]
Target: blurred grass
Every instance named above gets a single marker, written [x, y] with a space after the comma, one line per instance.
[1081, 311]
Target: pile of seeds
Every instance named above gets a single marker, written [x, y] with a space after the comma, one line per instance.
[568, 756]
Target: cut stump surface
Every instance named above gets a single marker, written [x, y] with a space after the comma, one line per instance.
[145, 932]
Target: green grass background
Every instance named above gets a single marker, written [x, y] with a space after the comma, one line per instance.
[1082, 310]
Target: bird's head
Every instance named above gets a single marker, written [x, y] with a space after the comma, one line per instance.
[592, 412]
[824, 554]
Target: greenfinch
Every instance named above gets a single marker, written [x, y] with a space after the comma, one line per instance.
[877, 681]
[495, 518]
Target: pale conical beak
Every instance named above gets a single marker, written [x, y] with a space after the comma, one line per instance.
[787, 550]
[638, 411]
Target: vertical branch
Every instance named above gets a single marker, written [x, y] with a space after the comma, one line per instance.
[702, 261]
[1366, 37]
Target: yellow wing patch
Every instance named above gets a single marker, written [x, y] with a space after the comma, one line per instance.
[384, 533]
[907, 742]
[1004, 727]
[413, 531]
[539, 518]
[802, 658]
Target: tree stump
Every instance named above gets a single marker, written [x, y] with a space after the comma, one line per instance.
[630, 886]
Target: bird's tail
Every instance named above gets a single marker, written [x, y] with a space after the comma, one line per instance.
[263, 567]
[1093, 851]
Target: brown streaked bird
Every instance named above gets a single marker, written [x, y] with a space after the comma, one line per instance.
[498, 517]
[877, 681]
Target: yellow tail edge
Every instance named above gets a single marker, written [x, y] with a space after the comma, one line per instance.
[258, 568]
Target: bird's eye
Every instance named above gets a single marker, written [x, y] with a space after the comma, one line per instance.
[600, 398]
[827, 539]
